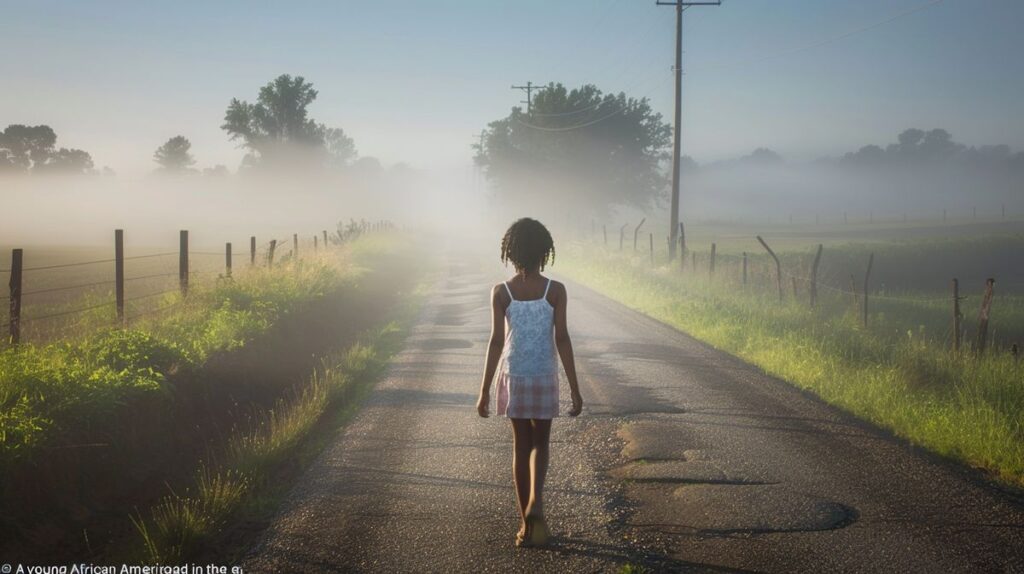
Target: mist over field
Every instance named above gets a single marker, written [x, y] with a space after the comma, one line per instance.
[285, 287]
[52, 210]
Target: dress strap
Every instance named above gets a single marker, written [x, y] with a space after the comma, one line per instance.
[548, 286]
[505, 283]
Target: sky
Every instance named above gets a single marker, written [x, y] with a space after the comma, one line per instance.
[414, 81]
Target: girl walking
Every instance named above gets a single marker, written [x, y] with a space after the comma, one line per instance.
[524, 358]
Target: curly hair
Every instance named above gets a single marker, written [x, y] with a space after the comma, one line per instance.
[528, 245]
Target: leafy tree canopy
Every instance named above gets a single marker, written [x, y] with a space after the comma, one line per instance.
[277, 130]
[67, 161]
[582, 147]
[174, 156]
[33, 149]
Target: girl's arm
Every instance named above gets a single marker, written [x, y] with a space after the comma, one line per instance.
[494, 349]
[564, 345]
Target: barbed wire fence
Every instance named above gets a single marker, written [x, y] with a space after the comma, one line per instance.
[99, 293]
[795, 280]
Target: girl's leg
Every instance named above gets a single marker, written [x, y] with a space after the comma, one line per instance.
[541, 434]
[522, 446]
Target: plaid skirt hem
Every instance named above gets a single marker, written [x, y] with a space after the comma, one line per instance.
[528, 396]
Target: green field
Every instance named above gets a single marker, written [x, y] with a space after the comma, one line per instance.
[898, 372]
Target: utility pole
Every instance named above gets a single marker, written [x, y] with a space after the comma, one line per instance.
[528, 88]
[676, 149]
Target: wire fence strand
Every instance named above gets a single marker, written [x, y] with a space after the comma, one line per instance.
[68, 288]
[66, 265]
[69, 312]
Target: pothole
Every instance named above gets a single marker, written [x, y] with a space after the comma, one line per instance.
[680, 472]
[727, 510]
[657, 440]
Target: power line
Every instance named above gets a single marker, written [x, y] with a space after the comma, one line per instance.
[571, 128]
[587, 123]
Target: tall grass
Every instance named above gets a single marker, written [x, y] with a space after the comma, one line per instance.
[898, 373]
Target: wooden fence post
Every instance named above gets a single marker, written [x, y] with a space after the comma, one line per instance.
[325, 239]
[957, 316]
[270, 253]
[622, 234]
[744, 267]
[814, 277]
[119, 274]
[15, 287]
[227, 259]
[867, 277]
[778, 265]
[315, 241]
[711, 263]
[183, 261]
[295, 246]
[652, 249]
[854, 295]
[682, 246]
[983, 315]
[252, 250]
[636, 232]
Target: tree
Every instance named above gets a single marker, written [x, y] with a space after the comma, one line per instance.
[341, 150]
[32, 148]
[763, 156]
[578, 147]
[276, 130]
[67, 161]
[25, 147]
[174, 156]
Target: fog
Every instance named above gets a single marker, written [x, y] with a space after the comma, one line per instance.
[84, 210]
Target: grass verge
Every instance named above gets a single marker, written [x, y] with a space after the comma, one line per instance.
[965, 407]
[243, 485]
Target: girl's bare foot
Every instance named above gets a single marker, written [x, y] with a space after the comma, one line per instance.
[521, 536]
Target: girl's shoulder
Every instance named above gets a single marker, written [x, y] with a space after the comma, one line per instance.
[556, 292]
[500, 293]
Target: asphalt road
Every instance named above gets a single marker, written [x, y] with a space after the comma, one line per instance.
[685, 459]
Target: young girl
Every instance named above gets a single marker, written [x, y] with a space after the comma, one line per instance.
[534, 308]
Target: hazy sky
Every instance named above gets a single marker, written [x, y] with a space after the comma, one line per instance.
[414, 81]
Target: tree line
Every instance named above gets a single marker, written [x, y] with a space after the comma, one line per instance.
[275, 131]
